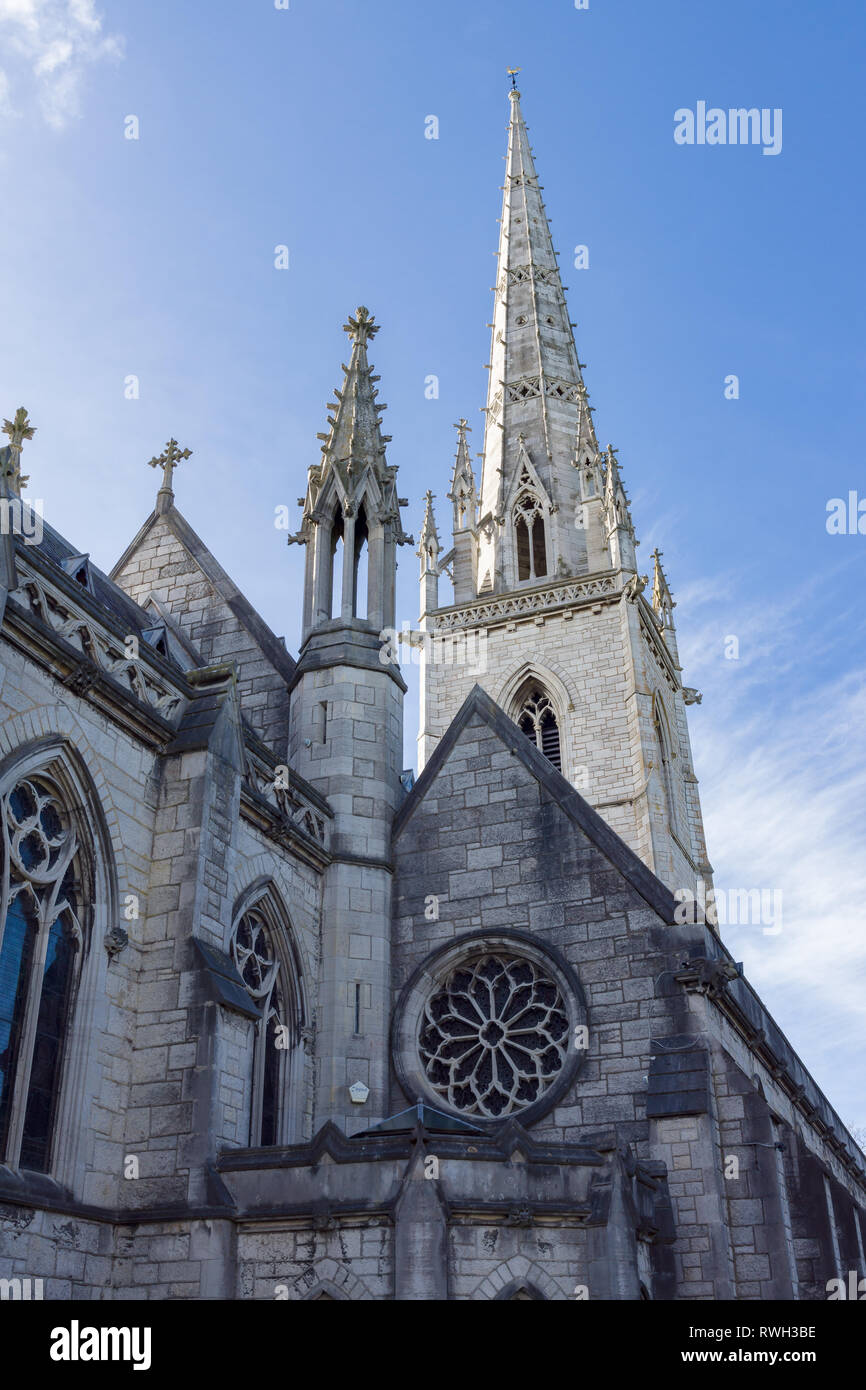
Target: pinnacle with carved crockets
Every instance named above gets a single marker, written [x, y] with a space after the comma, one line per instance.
[18, 429]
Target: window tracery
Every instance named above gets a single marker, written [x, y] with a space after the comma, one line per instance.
[44, 898]
[537, 720]
[494, 1036]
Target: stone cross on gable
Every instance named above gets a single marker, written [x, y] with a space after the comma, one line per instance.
[361, 328]
[168, 461]
[18, 429]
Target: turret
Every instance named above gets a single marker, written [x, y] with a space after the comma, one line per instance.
[346, 728]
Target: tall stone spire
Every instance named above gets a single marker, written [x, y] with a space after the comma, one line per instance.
[546, 576]
[537, 411]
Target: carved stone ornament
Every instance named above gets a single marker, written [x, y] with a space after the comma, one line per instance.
[116, 940]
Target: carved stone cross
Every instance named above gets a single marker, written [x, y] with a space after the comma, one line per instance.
[168, 461]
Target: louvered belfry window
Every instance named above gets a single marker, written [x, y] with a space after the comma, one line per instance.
[537, 719]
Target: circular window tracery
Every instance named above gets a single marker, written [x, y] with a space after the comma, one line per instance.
[494, 1036]
[254, 955]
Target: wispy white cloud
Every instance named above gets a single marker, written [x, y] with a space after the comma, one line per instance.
[782, 762]
[51, 44]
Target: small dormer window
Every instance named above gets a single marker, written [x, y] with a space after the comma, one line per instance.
[157, 638]
[78, 568]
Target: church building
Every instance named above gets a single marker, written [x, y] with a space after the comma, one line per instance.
[278, 1021]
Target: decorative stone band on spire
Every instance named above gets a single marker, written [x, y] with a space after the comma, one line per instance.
[168, 461]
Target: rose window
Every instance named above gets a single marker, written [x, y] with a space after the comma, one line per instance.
[494, 1038]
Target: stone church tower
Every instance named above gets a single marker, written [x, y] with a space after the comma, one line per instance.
[277, 1022]
[578, 649]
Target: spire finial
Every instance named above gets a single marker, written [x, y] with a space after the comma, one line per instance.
[361, 328]
[18, 429]
[512, 73]
[168, 461]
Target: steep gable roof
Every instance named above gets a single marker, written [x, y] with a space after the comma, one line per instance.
[598, 832]
[269, 644]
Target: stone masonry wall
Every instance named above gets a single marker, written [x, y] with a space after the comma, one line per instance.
[163, 566]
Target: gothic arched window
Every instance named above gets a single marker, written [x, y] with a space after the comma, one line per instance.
[360, 584]
[537, 719]
[45, 897]
[530, 538]
[338, 560]
[272, 983]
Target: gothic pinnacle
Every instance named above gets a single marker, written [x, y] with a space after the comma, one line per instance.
[361, 328]
[429, 537]
[18, 429]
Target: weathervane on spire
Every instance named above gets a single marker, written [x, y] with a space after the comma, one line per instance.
[512, 73]
[168, 461]
[361, 328]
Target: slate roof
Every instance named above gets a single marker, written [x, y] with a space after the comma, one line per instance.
[107, 594]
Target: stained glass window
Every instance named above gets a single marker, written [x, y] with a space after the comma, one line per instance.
[40, 944]
[259, 968]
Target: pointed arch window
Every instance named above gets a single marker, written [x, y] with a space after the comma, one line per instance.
[46, 891]
[337, 561]
[361, 579]
[530, 537]
[271, 980]
[537, 720]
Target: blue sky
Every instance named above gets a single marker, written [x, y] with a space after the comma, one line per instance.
[305, 127]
